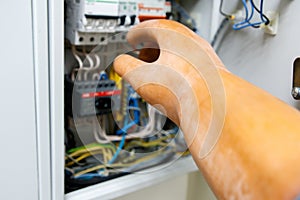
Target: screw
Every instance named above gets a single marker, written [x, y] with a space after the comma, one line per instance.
[296, 92]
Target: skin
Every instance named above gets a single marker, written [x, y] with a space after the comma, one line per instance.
[245, 141]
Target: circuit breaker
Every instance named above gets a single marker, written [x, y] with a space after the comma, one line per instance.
[92, 22]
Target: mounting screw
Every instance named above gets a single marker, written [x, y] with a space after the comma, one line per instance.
[296, 93]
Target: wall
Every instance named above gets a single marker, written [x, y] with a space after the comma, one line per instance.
[265, 60]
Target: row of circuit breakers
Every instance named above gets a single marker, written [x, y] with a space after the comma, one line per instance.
[92, 22]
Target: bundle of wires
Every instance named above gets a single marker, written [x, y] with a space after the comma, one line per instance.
[133, 103]
[86, 171]
[101, 161]
[249, 13]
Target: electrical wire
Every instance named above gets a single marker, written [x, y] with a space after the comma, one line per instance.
[91, 147]
[224, 14]
[73, 161]
[136, 120]
[100, 132]
[103, 76]
[91, 150]
[88, 57]
[90, 61]
[74, 52]
[134, 108]
[263, 17]
[124, 130]
[98, 61]
[221, 27]
[79, 61]
[84, 174]
[119, 149]
[110, 153]
[246, 23]
[110, 162]
[146, 131]
[158, 142]
[86, 155]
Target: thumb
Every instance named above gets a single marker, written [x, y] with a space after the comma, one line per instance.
[124, 64]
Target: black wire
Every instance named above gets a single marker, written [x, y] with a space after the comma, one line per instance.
[222, 25]
[261, 11]
[220, 10]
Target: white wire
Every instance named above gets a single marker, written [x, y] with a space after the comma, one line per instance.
[96, 75]
[80, 63]
[74, 52]
[148, 130]
[88, 57]
[90, 60]
[101, 132]
[98, 61]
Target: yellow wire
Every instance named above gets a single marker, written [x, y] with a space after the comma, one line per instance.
[106, 152]
[145, 158]
[82, 151]
[109, 151]
[88, 154]
[157, 142]
[99, 167]
[106, 155]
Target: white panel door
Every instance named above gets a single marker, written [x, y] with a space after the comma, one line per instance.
[18, 144]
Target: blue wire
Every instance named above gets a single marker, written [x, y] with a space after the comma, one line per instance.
[124, 130]
[113, 159]
[126, 127]
[252, 12]
[246, 23]
[88, 176]
[136, 119]
[136, 113]
[120, 147]
[103, 76]
[238, 26]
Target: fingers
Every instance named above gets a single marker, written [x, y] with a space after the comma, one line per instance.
[174, 37]
[144, 30]
[123, 64]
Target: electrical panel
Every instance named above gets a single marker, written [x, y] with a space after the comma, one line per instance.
[110, 131]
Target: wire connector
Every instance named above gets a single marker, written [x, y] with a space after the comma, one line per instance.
[272, 27]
